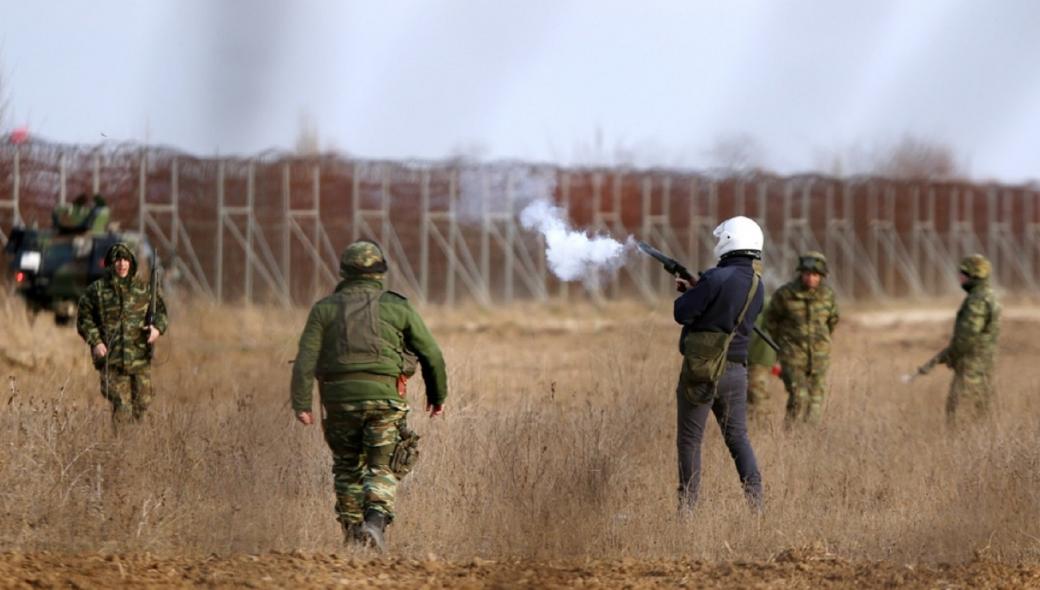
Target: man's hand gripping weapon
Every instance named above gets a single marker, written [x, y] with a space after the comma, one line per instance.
[673, 267]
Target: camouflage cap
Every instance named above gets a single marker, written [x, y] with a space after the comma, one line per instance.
[812, 261]
[363, 257]
[976, 266]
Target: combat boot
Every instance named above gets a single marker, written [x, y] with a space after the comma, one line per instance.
[352, 534]
[372, 529]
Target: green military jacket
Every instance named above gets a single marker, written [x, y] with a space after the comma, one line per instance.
[802, 321]
[344, 364]
[112, 310]
[973, 346]
[760, 353]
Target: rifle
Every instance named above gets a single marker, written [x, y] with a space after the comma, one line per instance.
[674, 267]
[153, 293]
[107, 391]
[923, 369]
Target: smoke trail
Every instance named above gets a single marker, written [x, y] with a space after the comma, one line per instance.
[572, 254]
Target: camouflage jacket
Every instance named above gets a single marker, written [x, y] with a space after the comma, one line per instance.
[975, 332]
[325, 352]
[801, 321]
[113, 310]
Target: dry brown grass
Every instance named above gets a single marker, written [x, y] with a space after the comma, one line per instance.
[558, 442]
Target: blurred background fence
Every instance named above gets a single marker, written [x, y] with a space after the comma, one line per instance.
[270, 228]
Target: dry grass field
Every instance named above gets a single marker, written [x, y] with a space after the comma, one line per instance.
[554, 464]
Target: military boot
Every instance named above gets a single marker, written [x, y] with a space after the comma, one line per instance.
[352, 534]
[372, 530]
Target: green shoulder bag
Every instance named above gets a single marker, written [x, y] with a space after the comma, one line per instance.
[704, 356]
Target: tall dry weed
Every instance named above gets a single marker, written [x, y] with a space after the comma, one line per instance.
[559, 441]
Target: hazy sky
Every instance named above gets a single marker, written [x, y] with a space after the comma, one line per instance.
[658, 83]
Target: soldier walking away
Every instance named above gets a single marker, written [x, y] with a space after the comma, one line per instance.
[114, 321]
[973, 348]
[761, 360]
[801, 316]
[717, 313]
[361, 343]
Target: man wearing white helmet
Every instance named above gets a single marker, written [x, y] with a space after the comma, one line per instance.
[717, 314]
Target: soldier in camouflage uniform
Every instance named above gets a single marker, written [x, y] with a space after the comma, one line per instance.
[111, 320]
[761, 358]
[972, 350]
[801, 317]
[361, 342]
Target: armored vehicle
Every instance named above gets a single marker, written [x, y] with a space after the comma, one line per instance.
[51, 267]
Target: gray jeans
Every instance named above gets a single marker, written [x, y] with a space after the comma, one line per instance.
[730, 409]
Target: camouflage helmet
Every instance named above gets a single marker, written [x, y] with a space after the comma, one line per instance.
[363, 257]
[812, 261]
[976, 266]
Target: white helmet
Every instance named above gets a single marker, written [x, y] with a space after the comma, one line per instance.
[738, 234]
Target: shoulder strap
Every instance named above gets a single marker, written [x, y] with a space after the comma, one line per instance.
[747, 302]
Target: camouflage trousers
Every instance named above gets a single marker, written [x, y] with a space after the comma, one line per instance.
[971, 387]
[129, 394]
[362, 436]
[805, 393]
[758, 389]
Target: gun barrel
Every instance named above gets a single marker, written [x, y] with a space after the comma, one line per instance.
[767, 339]
[671, 265]
[153, 288]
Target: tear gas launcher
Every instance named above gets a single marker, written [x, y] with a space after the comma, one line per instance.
[923, 369]
[674, 267]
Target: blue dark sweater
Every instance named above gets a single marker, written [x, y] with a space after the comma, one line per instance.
[714, 303]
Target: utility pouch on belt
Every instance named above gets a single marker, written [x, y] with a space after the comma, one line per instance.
[409, 363]
[406, 454]
[704, 357]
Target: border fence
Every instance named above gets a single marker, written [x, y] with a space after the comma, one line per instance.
[270, 228]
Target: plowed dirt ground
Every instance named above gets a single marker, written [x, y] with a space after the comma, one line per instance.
[791, 569]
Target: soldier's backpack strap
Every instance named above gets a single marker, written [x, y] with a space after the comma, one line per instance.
[396, 294]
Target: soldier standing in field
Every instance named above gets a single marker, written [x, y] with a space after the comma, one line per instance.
[361, 343]
[801, 316]
[973, 348]
[717, 314]
[761, 359]
[112, 321]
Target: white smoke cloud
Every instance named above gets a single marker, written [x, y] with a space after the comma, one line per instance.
[573, 255]
[500, 188]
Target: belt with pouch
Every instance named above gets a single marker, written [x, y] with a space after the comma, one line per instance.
[357, 376]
